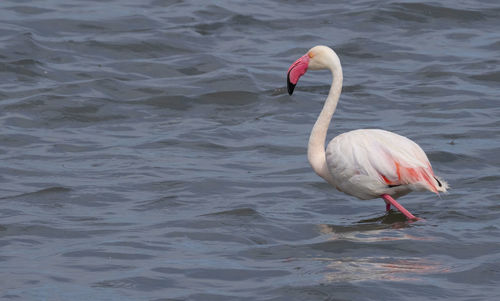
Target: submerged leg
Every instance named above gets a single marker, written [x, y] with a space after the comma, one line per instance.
[390, 201]
[387, 206]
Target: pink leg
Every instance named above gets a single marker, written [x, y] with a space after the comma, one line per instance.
[390, 201]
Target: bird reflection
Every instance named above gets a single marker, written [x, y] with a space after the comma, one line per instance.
[374, 227]
[377, 229]
[380, 268]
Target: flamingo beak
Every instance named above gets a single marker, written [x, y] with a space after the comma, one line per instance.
[295, 71]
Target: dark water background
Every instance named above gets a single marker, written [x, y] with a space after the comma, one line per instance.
[148, 150]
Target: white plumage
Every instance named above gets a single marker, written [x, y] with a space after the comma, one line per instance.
[365, 163]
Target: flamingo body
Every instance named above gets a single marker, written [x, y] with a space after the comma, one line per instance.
[368, 163]
[365, 163]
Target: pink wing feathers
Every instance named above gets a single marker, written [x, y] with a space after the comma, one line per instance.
[373, 157]
[400, 161]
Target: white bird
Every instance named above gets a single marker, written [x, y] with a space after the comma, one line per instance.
[365, 163]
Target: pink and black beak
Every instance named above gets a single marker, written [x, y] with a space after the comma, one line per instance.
[295, 71]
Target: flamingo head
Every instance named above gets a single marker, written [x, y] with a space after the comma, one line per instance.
[315, 59]
[296, 70]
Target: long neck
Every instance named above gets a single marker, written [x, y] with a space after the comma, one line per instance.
[316, 147]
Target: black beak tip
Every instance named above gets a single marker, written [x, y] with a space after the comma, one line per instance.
[290, 88]
[289, 85]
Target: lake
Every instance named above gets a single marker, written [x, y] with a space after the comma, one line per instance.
[149, 150]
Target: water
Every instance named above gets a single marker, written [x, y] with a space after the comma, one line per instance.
[149, 151]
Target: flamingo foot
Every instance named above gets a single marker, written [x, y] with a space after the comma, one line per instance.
[390, 201]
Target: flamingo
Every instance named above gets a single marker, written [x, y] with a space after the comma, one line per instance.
[365, 163]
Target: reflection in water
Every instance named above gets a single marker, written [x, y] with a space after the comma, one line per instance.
[375, 267]
[380, 268]
[359, 232]
[391, 218]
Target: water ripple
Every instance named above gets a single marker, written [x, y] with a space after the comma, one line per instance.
[150, 150]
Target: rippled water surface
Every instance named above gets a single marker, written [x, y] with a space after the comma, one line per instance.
[149, 151]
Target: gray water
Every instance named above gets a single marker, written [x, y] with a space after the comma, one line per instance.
[149, 151]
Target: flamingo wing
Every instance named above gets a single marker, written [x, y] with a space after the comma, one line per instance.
[368, 163]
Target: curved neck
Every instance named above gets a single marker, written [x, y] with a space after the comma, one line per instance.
[316, 148]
